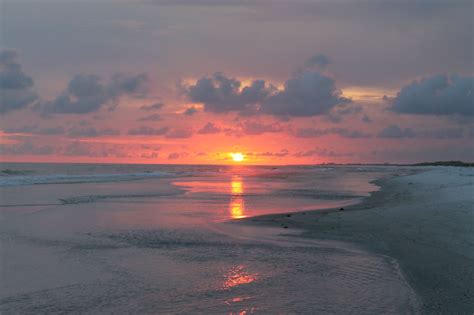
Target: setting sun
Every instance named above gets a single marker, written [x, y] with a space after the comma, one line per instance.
[237, 157]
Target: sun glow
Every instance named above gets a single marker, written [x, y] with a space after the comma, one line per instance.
[237, 157]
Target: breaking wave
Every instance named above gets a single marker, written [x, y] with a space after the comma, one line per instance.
[74, 179]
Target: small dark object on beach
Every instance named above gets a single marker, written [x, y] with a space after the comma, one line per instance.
[288, 215]
[304, 213]
[410, 183]
[341, 209]
[285, 227]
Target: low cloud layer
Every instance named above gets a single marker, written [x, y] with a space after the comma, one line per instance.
[209, 128]
[45, 131]
[179, 133]
[91, 132]
[152, 107]
[147, 131]
[26, 148]
[152, 117]
[315, 133]
[394, 131]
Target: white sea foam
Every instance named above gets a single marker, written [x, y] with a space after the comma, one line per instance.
[68, 179]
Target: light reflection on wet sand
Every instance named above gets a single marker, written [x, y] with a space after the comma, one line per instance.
[237, 276]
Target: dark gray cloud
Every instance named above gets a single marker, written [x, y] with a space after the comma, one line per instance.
[257, 128]
[48, 131]
[209, 128]
[87, 93]
[314, 133]
[319, 60]
[26, 148]
[11, 100]
[123, 84]
[221, 94]
[152, 107]
[179, 133]
[11, 73]
[308, 93]
[436, 95]
[101, 149]
[190, 111]
[91, 132]
[322, 152]
[78, 148]
[447, 133]
[211, 3]
[152, 117]
[338, 113]
[366, 118]
[147, 131]
[441, 37]
[150, 155]
[281, 153]
[15, 85]
[177, 155]
[23, 129]
[395, 131]
[82, 129]
[51, 131]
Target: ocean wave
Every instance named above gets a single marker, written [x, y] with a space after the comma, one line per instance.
[10, 172]
[94, 198]
[75, 179]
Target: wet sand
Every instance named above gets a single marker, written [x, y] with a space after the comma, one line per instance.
[425, 221]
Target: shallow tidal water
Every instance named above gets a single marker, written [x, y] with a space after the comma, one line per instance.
[163, 239]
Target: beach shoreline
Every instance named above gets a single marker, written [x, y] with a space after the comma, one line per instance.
[423, 220]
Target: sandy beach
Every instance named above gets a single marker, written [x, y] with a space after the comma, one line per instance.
[423, 220]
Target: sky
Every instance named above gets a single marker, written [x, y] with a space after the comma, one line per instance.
[280, 81]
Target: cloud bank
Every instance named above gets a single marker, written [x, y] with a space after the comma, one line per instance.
[307, 93]
[436, 95]
[15, 85]
[88, 93]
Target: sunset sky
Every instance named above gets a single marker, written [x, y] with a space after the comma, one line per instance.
[280, 81]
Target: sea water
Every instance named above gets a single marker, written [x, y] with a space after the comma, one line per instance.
[167, 239]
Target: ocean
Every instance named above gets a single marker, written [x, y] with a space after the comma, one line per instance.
[103, 238]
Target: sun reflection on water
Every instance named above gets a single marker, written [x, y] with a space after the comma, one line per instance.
[237, 205]
[238, 275]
